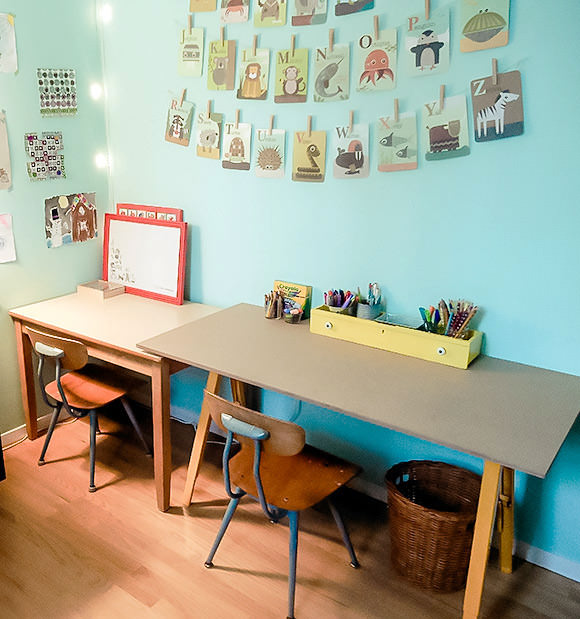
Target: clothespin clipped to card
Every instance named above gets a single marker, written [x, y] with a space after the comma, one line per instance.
[293, 44]
[376, 26]
[331, 40]
[182, 97]
[350, 121]
[271, 127]
[237, 118]
[396, 110]
[427, 9]
[209, 109]
[309, 126]
[189, 23]
[222, 34]
[494, 71]
[254, 45]
[441, 97]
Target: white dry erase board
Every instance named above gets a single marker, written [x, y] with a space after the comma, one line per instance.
[147, 256]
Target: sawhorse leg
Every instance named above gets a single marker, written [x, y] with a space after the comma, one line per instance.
[505, 520]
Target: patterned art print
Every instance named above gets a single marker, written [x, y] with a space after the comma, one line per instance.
[190, 60]
[234, 11]
[44, 150]
[221, 65]
[268, 13]
[291, 76]
[446, 134]
[483, 24]
[70, 219]
[58, 91]
[309, 157]
[5, 168]
[209, 135]
[498, 110]
[376, 62]
[253, 74]
[427, 43]
[332, 73]
[309, 12]
[348, 7]
[8, 56]
[237, 143]
[270, 153]
[351, 152]
[202, 6]
[397, 143]
[179, 119]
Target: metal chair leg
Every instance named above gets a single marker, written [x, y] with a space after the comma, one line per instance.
[93, 443]
[224, 525]
[293, 517]
[51, 426]
[133, 420]
[344, 533]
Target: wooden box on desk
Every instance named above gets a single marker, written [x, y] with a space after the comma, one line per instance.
[457, 353]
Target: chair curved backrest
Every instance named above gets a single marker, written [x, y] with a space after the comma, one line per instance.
[285, 438]
[75, 355]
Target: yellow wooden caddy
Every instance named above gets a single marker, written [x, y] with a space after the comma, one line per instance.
[457, 353]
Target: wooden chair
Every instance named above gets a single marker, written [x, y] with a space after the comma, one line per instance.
[275, 466]
[81, 391]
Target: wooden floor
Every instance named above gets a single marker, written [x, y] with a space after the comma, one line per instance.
[67, 553]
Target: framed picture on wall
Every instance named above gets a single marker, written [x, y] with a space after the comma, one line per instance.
[146, 255]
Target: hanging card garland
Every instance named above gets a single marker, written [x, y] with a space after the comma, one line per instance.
[291, 76]
[234, 11]
[209, 135]
[309, 156]
[190, 60]
[445, 133]
[253, 74]
[348, 7]
[268, 13]
[8, 56]
[236, 148]
[5, 168]
[270, 153]
[309, 12]
[483, 24]
[351, 151]
[376, 61]
[179, 119]
[202, 6]
[427, 43]
[332, 73]
[397, 142]
[221, 65]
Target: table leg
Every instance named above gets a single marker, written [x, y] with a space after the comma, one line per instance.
[506, 520]
[160, 388]
[481, 539]
[238, 391]
[213, 385]
[27, 389]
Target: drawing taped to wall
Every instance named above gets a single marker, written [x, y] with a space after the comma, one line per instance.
[376, 61]
[221, 65]
[348, 7]
[309, 12]
[427, 43]
[483, 24]
[47, 162]
[291, 76]
[397, 142]
[234, 11]
[254, 71]
[445, 133]
[209, 135]
[190, 58]
[8, 56]
[498, 110]
[332, 73]
[70, 219]
[309, 156]
[269, 13]
[270, 153]
[58, 91]
[351, 151]
[5, 167]
[202, 6]
[236, 148]
[179, 119]
[7, 247]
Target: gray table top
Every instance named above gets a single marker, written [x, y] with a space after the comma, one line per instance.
[505, 412]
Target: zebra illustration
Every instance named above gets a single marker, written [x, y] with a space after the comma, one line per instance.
[495, 113]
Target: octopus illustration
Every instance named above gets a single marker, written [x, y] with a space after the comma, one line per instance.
[376, 67]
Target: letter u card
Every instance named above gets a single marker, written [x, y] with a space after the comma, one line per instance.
[190, 59]
[268, 13]
[202, 6]
[427, 43]
[376, 61]
[351, 152]
[332, 73]
[483, 24]
[309, 157]
[221, 65]
[179, 119]
[208, 135]
[309, 12]
[291, 76]
[236, 150]
[253, 74]
[445, 133]
[348, 7]
[498, 110]
[234, 11]
[397, 142]
[270, 153]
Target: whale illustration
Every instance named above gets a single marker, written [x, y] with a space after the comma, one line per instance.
[322, 82]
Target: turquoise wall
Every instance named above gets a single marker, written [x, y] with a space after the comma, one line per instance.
[57, 34]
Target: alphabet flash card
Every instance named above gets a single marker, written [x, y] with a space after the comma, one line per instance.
[483, 24]
[376, 61]
[397, 142]
[221, 65]
[270, 153]
[291, 76]
[445, 133]
[309, 156]
[427, 43]
[332, 73]
[253, 74]
[236, 150]
[190, 59]
[202, 6]
[234, 11]
[498, 110]
[348, 7]
[209, 135]
[179, 119]
[268, 13]
[5, 168]
[309, 12]
[351, 152]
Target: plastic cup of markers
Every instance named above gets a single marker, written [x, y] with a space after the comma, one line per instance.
[350, 311]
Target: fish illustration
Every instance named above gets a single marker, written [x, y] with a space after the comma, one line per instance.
[406, 153]
[392, 140]
[322, 83]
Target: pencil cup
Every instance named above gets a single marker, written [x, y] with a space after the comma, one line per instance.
[366, 311]
[350, 311]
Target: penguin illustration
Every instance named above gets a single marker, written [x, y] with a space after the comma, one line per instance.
[427, 50]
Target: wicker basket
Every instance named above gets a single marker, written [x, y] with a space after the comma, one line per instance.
[432, 509]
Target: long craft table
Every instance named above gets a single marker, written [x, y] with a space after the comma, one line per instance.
[511, 415]
[110, 329]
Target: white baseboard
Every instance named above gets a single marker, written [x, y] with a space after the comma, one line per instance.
[15, 436]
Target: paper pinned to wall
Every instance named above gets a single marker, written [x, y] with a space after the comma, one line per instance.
[57, 89]
[5, 170]
[44, 152]
[8, 57]
[70, 219]
[7, 247]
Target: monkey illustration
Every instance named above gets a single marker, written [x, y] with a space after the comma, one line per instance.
[292, 84]
[220, 70]
[251, 87]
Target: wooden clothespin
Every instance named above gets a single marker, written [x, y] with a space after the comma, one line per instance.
[189, 22]
[331, 40]
[222, 34]
[396, 105]
[293, 44]
[182, 97]
[494, 71]
[441, 97]
[209, 109]
[376, 25]
[350, 121]
[254, 45]
[237, 118]
[309, 126]
[427, 9]
[271, 127]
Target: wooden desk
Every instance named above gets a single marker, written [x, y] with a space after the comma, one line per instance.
[512, 416]
[111, 329]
